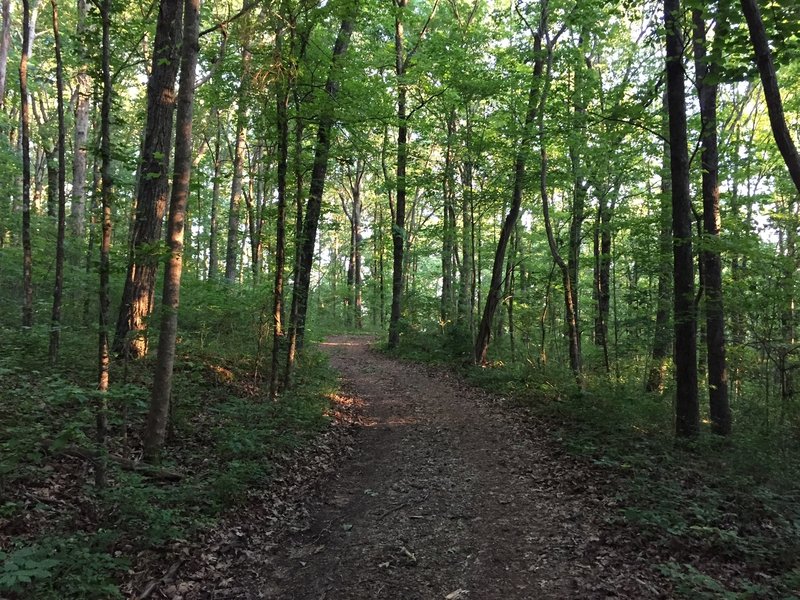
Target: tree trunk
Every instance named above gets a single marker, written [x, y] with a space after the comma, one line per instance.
[447, 301]
[27, 255]
[158, 415]
[238, 166]
[399, 212]
[662, 340]
[493, 295]
[687, 412]
[466, 276]
[308, 236]
[104, 320]
[5, 44]
[130, 338]
[213, 227]
[282, 118]
[58, 288]
[83, 92]
[707, 72]
[772, 94]
[353, 215]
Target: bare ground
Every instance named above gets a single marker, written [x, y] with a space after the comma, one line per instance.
[443, 492]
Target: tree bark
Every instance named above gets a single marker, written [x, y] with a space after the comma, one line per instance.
[687, 412]
[213, 227]
[706, 70]
[27, 255]
[158, 414]
[308, 236]
[106, 183]
[466, 276]
[772, 93]
[83, 92]
[137, 297]
[58, 288]
[282, 121]
[5, 44]
[662, 339]
[232, 251]
[493, 295]
[399, 212]
[447, 301]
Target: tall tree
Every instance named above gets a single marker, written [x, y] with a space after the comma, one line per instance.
[282, 121]
[568, 279]
[58, 288]
[707, 74]
[5, 44]
[687, 410]
[232, 248]
[137, 296]
[355, 176]
[83, 97]
[307, 238]
[662, 340]
[158, 414]
[106, 184]
[213, 227]
[520, 180]
[399, 208]
[25, 135]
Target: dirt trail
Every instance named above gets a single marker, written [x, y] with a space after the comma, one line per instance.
[448, 495]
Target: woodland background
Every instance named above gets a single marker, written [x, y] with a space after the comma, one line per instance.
[591, 207]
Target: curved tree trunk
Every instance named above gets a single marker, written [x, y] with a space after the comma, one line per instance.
[495, 285]
[772, 94]
[308, 236]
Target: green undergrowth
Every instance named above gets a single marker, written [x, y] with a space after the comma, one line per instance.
[717, 517]
[62, 538]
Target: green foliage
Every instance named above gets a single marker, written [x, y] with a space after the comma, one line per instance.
[73, 567]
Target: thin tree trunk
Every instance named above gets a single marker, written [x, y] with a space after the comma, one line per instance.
[213, 252]
[399, 212]
[447, 301]
[58, 288]
[712, 261]
[158, 414]
[104, 320]
[493, 295]
[5, 44]
[662, 339]
[51, 162]
[282, 105]
[232, 251]
[130, 338]
[687, 411]
[772, 94]
[83, 92]
[466, 284]
[27, 255]
[308, 236]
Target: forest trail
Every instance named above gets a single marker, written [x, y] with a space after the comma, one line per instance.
[448, 495]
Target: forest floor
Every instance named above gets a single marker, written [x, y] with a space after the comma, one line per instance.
[442, 491]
